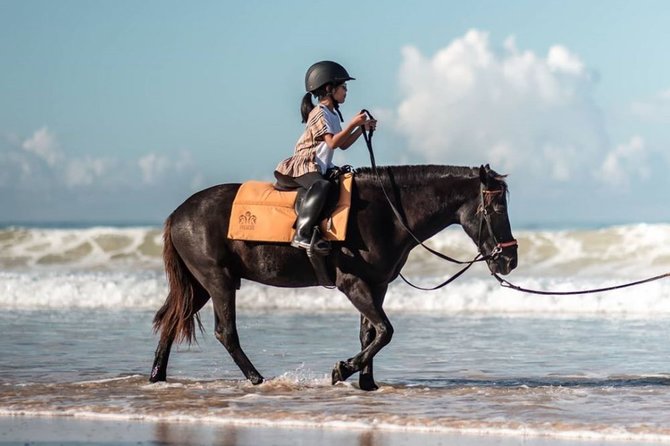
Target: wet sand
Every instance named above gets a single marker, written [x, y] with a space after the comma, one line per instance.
[20, 430]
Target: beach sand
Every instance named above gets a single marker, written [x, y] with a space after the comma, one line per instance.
[20, 430]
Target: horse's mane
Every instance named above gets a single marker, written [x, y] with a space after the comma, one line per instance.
[418, 175]
[421, 173]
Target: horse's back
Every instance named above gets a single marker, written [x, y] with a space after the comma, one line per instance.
[199, 228]
[201, 221]
[214, 200]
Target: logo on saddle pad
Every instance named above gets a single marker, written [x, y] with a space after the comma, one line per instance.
[261, 213]
[247, 221]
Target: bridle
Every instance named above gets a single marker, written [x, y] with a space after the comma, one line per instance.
[497, 248]
[486, 219]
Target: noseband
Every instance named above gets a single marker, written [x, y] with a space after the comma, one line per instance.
[486, 219]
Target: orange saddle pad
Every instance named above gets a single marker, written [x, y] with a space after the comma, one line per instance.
[262, 213]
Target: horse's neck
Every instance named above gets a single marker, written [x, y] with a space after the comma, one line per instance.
[429, 206]
[440, 205]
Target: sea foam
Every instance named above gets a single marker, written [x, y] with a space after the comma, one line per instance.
[108, 267]
[103, 290]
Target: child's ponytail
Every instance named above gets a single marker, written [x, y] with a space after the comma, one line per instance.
[306, 106]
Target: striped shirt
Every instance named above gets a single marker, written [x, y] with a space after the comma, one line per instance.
[311, 153]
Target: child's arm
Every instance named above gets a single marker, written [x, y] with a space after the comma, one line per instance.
[344, 139]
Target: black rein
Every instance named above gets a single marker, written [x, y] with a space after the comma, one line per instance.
[479, 257]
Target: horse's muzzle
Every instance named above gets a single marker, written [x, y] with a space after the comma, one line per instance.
[504, 261]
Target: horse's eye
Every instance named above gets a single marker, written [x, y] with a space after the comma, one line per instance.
[499, 209]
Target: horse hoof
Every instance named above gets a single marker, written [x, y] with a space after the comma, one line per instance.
[256, 380]
[367, 382]
[341, 372]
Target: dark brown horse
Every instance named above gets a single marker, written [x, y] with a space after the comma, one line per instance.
[201, 263]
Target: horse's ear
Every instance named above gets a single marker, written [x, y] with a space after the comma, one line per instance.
[483, 174]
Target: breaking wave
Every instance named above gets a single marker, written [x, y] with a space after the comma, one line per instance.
[108, 267]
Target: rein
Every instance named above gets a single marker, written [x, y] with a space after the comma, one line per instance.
[506, 284]
[368, 141]
[478, 258]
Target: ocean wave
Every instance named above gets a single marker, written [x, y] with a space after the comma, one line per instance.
[476, 295]
[107, 267]
[97, 248]
[637, 250]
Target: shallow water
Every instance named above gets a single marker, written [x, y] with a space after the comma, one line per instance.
[76, 341]
[584, 377]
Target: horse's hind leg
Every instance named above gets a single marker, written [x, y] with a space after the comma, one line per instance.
[222, 291]
[159, 369]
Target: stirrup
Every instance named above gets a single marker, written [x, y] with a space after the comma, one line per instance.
[316, 246]
[300, 244]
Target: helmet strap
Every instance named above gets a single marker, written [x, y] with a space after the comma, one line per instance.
[337, 109]
[336, 106]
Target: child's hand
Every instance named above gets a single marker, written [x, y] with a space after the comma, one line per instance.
[370, 125]
[359, 120]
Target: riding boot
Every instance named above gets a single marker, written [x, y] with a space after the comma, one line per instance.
[308, 217]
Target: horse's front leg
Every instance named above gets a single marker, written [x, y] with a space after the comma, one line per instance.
[367, 333]
[375, 333]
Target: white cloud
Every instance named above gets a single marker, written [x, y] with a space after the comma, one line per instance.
[560, 59]
[153, 167]
[84, 171]
[469, 104]
[43, 144]
[39, 181]
[626, 161]
[37, 163]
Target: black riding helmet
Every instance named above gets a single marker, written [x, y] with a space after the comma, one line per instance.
[325, 72]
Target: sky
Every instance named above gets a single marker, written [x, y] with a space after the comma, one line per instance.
[116, 112]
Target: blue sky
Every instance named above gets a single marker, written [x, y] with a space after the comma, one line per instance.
[117, 111]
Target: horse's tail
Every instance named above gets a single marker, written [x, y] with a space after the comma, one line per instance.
[176, 318]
